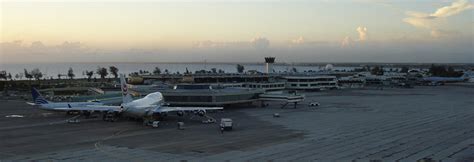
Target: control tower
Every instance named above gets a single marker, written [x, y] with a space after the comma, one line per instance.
[269, 64]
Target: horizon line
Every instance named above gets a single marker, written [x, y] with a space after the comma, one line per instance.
[227, 62]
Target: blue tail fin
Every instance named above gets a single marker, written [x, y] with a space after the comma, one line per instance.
[37, 98]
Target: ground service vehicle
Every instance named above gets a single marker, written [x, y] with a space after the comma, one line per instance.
[226, 124]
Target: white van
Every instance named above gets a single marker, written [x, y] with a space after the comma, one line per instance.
[226, 124]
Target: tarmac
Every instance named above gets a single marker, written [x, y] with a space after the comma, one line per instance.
[350, 125]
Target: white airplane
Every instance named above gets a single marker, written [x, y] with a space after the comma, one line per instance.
[442, 80]
[69, 107]
[149, 108]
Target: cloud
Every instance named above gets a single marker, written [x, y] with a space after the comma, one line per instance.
[437, 33]
[37, 45]
[429, 21]
[379, 2]
[260, 43]
[208, 44]
[303, 43]
[419, 22]
[405, 49]
[299, 40]
[419, 15]
[204, 44]
[347, 42]
[363, 35]
[68, 46]
[455, 8]
[256, 43]
[37, 51]
[7, 46]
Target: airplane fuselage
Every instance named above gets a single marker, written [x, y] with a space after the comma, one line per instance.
[140, 107]
[51, 106]
[445, 79]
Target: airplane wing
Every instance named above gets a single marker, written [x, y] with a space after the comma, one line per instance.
[91, 108]
[171, 109]
[145, 107]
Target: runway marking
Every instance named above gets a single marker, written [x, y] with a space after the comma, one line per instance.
[8, 154]
[14, 116]
[39, 124]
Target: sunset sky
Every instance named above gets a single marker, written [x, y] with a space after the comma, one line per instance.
[237, 31]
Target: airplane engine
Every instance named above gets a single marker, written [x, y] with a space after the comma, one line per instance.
[160, 114]
[157, 114]
[110, 111]
[72, 112]
[110, 115]
[180, 113]
[87, 113]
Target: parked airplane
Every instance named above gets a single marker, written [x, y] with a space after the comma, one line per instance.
[442, 80]
[68, 107]
[149, 108]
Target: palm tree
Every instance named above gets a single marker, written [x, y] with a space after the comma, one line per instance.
[89, 75]
[377, 70]
[28, 75]
[3, 75]
[36, 73]
[114, 71]
[187, 71]
[102, 72]
[240, 68]
[157, 71]
[70, 73]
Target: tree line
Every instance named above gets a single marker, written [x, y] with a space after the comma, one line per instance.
[36, 74]
[380, 70]
[443, 71]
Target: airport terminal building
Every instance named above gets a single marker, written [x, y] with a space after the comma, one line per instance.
[208, 95]
[311, 82]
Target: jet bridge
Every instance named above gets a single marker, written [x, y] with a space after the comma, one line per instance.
[286, 98]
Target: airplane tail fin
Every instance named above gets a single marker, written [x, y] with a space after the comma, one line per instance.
[126, 97]
[37, 97]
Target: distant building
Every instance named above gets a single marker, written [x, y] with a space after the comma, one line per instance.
[351, 82]
[311, 82]
[208, 95]
[267, 86]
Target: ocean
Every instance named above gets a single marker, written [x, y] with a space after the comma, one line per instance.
[53, 69]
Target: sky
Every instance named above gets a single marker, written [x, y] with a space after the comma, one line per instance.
[428, 31]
